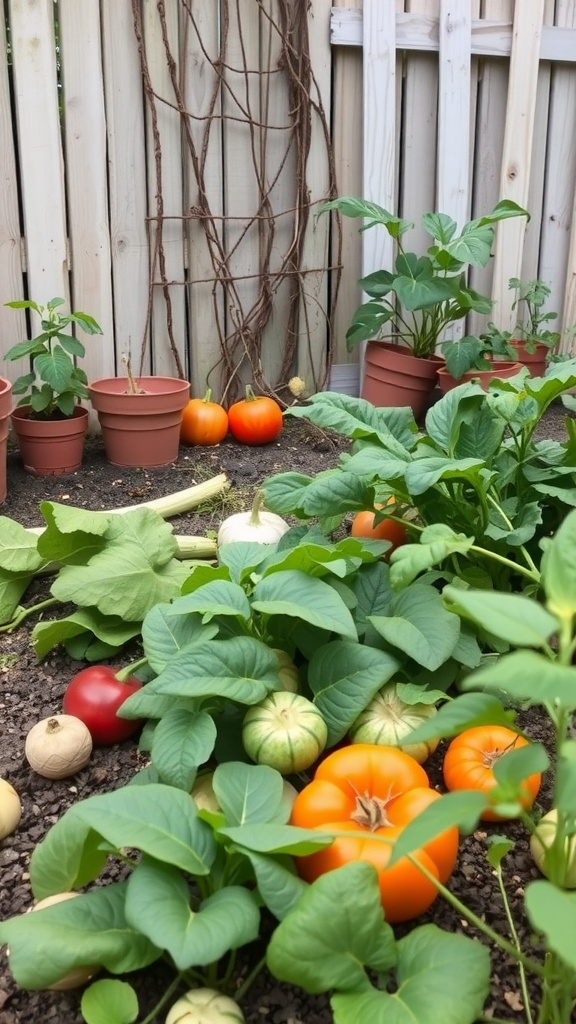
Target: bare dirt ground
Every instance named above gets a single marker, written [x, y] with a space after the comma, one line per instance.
[30, 690]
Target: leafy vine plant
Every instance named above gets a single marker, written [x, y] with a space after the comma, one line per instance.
[259, 311]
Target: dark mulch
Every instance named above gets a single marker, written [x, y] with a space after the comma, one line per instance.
[31, 691]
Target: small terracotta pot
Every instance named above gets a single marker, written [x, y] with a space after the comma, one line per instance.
[502, 370]
[535, 361]
[140, 429]
[5, 410]
[394, 377]
[50, 447]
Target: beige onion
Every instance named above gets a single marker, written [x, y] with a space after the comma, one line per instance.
[58, 746]
[10, 809]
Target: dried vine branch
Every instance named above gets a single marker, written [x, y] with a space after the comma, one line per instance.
[241, 97]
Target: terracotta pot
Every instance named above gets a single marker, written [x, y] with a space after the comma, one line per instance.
[5, 410]
[140, 429]
[502, 370]
[394, 377]
[50, 447]
[535, 361]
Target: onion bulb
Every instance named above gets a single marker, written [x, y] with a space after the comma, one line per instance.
[388, 720]
[257, 525]
[540, 842]
[78, 975]
[58, 746]
[10, 809]
[285, 731]
[205, 1006]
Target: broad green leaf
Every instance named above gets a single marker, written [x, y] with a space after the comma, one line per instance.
[344, 677]
[297, 595]
[164, 634]
[512, 617]
[249, 793]
[239, 560]
[559, 570]
[110, 629]
[464, 712]
[332, 492]
[437, 542]
[422, 474]
[277, 881]
[156, 819]
[373, 593]
[68, 857]
[18, 548]
[334, 932]
[270, 838]
[221, 597]
[109, 1001]
[136, 566]
[528, 676]
[90, 929]
[357, 418]
[72, 535]
[420, 626]
[242, 669]
[12, 587]
[183, 740]
[552, 911]
[374, 463]
[461, 809]
[440, 979]
[159, 905]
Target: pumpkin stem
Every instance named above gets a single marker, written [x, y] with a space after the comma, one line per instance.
[370, 812]
[256, 508]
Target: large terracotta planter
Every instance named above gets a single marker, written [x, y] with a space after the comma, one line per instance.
[50, 447]
[5, 410]
[501, 371]
[140, 429]
[535, 361]
[394, 377]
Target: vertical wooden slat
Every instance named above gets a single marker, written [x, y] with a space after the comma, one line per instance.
[379, 121]
[166, 180]
[455, 36]
[347, 143]
[515, 175]
[205, 300]
[279, 174]
[311, 365]
[420, 132]
[12, 321]
[127, 180]
[560, 155]
[39, 147]
[86, 176]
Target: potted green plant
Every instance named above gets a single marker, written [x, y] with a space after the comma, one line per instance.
[532, 340]
[410, 307]
[140, 417]
[49, 421]
[481, 358]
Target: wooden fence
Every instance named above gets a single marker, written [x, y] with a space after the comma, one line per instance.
[162, 165]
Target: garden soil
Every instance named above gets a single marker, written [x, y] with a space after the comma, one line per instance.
[30, 691]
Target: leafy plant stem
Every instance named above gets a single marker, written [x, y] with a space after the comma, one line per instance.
[25, 613]
[516, 941]
[531, 574]
[529, 560]
[250, 979]
[178, 980]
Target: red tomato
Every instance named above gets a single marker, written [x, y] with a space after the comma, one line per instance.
[370, 790]
[256, 419]
[94, 696]
[471, 756]
[203, 422]
[387, 529]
